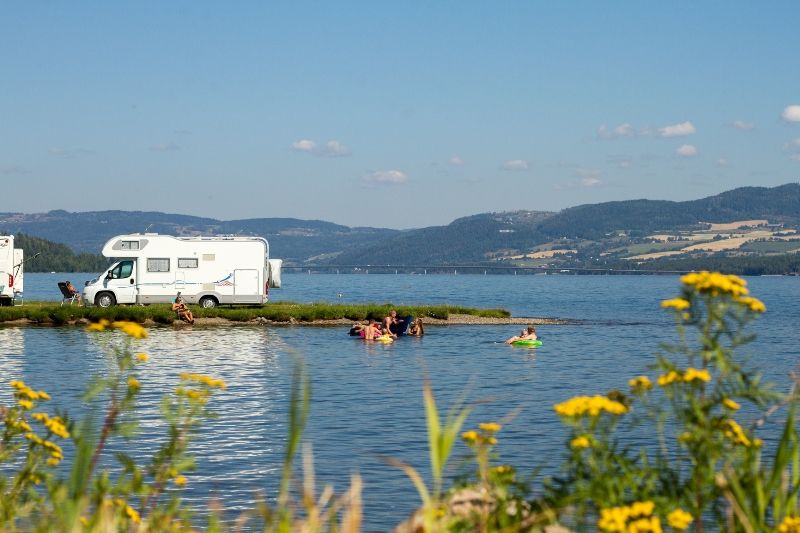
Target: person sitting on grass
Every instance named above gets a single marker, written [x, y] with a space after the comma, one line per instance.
[184, 313]
[525, 335]
[73, 291]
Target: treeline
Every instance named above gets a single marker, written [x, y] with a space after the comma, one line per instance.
[55, 257]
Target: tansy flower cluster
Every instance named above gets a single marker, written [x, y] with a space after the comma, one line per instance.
[714, 283]
[633, 518]
[589, 405]
[132, 329]
[678, 304]
[754, 304]
[579, 443]
[734, 432]
[56, 454]
[691, 374]
[790, 524]
[679, 519]
[203, 380]
[55, 425]
[640, 383]
[484, 436]
[26, 396]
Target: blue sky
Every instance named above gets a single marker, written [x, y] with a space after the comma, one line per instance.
[392, 114]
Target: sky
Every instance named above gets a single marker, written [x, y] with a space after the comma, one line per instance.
[392, 114]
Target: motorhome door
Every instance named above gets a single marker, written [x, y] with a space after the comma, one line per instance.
[122, 281]
[246, 286]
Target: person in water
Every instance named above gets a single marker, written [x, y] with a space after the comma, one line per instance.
[371, 331]
[525, 335]
[416, 328]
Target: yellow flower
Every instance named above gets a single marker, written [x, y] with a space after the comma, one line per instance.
[633, 518]
[490, 427]
[679, 519]
[25, 404]
[734, 432]
[133, 383]
[591, 405]
[43, 395]
[180, 481]
[754, 304]
[790, 524]
[679, 304]
[715, 284]
[53, 461]
[131, 329]
[669, 377]
[132, 514]
[692, 374]
[143, 357]
[640, 383]
[470, 436]
[730, 404]
[17, 384]
[579, 443]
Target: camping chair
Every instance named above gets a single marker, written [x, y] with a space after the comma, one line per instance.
[66, 294]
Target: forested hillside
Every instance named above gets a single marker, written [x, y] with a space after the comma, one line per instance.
[55, 257]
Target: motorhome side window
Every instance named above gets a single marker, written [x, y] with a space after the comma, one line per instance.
[122, 270]
[158, 265]
[129, 245]
[189, 262]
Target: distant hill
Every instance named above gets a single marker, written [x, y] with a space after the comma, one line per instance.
[595, 234]
[55, 257]
[482, 237]
[291, 239]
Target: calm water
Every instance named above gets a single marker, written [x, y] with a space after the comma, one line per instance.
[367, 399]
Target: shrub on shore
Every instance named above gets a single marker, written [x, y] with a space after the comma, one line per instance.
[278, 312]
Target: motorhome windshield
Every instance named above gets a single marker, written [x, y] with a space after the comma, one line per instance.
[122, 270]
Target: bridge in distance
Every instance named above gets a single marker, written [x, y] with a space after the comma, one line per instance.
[469, 269]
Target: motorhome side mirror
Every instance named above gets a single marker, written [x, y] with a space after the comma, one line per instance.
[108, 276]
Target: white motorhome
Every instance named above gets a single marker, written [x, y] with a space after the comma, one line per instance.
[209, 271]
[11, 270]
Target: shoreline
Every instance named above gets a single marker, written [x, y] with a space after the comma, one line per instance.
[453, 320]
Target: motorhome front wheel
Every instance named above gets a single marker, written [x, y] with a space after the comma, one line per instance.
[105, 299]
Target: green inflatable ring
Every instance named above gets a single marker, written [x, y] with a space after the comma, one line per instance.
[527, 342]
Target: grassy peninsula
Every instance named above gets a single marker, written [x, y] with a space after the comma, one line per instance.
[281, 312]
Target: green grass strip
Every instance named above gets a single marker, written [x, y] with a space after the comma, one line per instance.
[49, 313]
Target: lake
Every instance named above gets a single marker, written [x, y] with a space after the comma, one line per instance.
[367, 399]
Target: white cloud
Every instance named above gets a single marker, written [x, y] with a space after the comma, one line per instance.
[329, 149]
[793, 145]
[795, 157]
[742, 125]
[589, 177]
[677, 130]
[165, 147]
[722, 162]
[456, 161]
[686, 150]
[516, 164]
[791, 113]
[386, 176]
[623, 130]
[625, 163]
